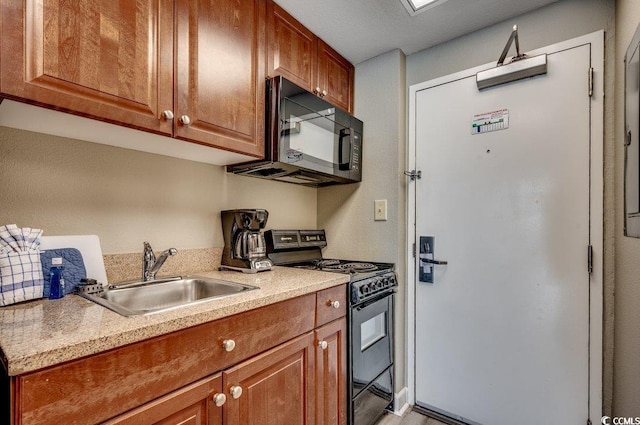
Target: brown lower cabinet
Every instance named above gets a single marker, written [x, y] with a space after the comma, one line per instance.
[192, 405]
[331, 367]
[286, 366]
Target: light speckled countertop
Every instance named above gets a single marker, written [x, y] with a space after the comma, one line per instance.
[42, 333]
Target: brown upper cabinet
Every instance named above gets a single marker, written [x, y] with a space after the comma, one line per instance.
[120, 62]
[297, 54]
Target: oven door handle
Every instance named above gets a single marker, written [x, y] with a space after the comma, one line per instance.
[376, 299]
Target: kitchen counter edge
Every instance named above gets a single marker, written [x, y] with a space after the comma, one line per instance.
[43, 333]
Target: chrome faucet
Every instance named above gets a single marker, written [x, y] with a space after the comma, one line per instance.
[150, 265]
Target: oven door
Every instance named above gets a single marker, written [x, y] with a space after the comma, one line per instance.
[371, 341]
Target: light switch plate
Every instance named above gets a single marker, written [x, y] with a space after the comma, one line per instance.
[380, 210]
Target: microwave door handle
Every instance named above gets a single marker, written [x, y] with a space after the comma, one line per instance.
[342, 164]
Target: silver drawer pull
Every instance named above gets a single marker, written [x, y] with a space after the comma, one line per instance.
[219, 399]
[228, 344]
[235, 391]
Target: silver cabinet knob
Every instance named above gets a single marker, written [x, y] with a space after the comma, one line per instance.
[228, 344]
[323, 344]
[167, 115]
[219, 399]
[324, 93]
[185, 120]
[235, 391]
[335, 304]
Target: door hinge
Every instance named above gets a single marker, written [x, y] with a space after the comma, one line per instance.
[590, 259]
[414, 250]
[590, 81]
[589, 422]
[413, 174]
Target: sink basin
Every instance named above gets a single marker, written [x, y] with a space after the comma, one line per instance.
[138, 298]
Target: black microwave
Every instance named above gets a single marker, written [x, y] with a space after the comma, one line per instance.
[308, 140]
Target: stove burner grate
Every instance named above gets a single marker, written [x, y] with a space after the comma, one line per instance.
[347, 267]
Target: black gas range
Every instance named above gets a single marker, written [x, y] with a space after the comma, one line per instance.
[303, 249]
[372, 286]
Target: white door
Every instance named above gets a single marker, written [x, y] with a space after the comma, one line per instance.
[502, 333]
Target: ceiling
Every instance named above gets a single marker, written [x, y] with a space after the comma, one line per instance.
[362, 29]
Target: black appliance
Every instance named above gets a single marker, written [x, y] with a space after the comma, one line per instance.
[308, 141]
[370, 318]
[244, 244]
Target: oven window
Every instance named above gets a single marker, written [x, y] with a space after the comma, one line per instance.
[373, 330]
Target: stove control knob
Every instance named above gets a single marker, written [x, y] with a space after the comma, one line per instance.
[372, 286]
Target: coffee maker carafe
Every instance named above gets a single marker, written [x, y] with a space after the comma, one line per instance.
[245, 249]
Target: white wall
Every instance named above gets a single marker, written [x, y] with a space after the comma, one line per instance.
[557, 22]
[346, 212]
[67, 186]
[626, 393]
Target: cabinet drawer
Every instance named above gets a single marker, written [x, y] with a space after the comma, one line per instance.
[99, 387]
[331, 304]
[193, 403]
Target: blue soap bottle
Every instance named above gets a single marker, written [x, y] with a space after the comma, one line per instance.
[56, 278]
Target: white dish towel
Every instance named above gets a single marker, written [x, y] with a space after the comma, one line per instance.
[21, 276]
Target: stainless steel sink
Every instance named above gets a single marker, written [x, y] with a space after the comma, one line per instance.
[138, 298]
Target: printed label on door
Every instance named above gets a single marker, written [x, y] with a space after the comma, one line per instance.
[490, 121]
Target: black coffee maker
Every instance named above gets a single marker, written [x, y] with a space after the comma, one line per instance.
[245, 249]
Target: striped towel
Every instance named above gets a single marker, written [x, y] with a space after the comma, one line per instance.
[21, 276]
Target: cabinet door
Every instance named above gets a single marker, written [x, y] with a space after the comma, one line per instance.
[331, 373]
[104, 59]
[291, 48]
[335, 77]
[220, 74]
[273, 388]
[192, 405]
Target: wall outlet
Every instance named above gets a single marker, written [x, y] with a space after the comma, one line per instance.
[380, 210]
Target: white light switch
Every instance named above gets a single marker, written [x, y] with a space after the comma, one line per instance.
[380, 212]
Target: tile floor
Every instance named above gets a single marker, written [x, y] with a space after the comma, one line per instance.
[409, 418]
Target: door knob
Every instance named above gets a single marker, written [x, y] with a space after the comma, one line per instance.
[235, 391]
[316, 90]
[432, 261]
[427, 259]
[167, 115]
[324, 93]
[219, 399]
[323, 344]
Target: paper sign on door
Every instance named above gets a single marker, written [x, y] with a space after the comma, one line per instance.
[490, 121]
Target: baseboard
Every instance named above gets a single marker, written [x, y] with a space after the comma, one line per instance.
[400, 404]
